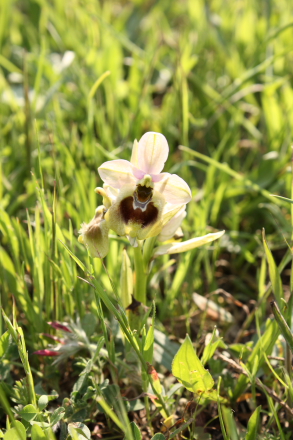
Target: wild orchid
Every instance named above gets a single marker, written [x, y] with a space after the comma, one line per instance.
[141, 203]
[147, 198]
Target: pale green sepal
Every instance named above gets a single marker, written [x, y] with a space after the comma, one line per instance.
[176, 248]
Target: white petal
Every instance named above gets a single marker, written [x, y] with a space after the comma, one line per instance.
[111, 192]
[174, 189]
[171, 227]
[153, 152]
[176, 248]
[134, 155]
[117, 173]
[166, 217]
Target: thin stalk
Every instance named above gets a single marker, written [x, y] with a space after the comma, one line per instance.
[146, 399]
[6, 406]
[17, 334]
[53, 256]
[111, 352]
[27, 123]
[122, 319]
[140, 276]
[288, 353]
[116, 308]
[285, 330]
[148, 251]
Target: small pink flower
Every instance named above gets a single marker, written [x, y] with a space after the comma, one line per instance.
[46, 352]
[59, 326]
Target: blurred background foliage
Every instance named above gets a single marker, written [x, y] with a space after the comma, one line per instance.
[81, 79]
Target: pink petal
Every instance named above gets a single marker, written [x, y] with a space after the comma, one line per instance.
[152, 153]
[138, 174]
[117, 173]
[174, 189]
[46, 352]
[59, 326]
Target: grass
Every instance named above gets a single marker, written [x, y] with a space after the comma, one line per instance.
[79, 81]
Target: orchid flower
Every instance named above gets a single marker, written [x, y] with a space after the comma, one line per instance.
[140, 202]
[147, 199]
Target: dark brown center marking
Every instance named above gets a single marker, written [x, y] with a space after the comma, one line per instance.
[143, 193]
[145, 218]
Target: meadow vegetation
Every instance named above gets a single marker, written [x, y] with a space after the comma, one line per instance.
[80, 80]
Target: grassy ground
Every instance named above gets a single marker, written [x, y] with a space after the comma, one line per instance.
[79, 81]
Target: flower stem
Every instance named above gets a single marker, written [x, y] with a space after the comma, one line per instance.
[140, 275]
[148, 251]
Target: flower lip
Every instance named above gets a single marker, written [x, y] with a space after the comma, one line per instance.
[133, 211]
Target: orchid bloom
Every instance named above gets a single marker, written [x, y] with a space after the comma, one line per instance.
[141, 199]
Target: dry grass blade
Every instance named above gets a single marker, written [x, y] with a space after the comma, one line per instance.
[233, 364]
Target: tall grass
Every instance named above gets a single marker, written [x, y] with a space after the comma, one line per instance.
[79, 81]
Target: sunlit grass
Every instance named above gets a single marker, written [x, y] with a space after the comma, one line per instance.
[79, 81]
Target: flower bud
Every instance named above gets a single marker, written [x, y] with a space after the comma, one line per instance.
[95, 234]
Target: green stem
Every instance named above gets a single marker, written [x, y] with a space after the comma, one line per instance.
[114, 307]
[148, 251]
[140, 275]
[285, 329]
